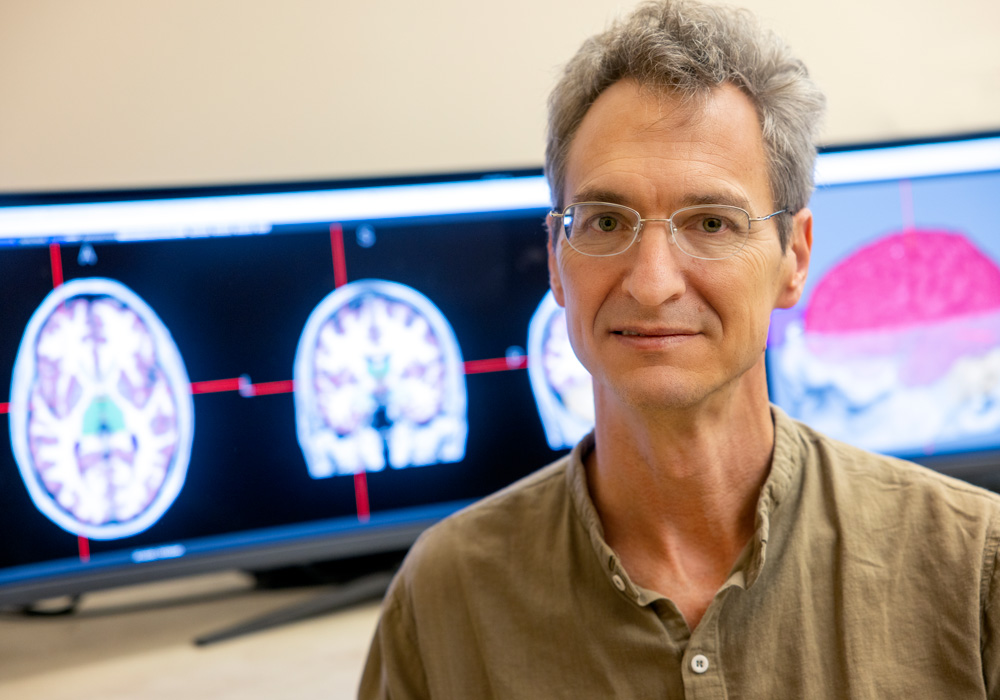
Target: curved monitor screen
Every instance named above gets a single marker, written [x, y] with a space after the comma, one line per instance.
[259, 378]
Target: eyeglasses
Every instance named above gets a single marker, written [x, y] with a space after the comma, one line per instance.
[706, 232]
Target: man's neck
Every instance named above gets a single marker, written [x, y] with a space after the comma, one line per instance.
[677, 491]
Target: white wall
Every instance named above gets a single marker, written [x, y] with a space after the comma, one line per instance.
[126, 93]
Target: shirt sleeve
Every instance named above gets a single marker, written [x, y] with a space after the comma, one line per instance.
[990, 636]
[394, 670]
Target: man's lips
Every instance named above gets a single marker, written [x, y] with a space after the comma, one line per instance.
[652, 332]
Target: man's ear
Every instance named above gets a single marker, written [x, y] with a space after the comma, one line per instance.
[555, 280]
[795, 266]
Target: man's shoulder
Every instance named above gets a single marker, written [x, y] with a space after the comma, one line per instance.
[876, 479]
[485, 534]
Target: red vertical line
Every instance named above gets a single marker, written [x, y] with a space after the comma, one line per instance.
[56, 258]
[84, 545]
[361, 495]
[339, 264]
[339, 280]
[4, 407]
[906, 205]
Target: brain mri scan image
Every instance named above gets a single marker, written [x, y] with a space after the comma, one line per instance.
[900, 339]
[101, 416]
[378, 381]
[563, 389]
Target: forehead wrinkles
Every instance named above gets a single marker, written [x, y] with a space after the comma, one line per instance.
[710, 135]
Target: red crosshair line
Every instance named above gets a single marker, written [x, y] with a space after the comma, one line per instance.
[339, 280]
[248, 389]
[83, 544]
[339, 262]
[55, 259]
[245, 388]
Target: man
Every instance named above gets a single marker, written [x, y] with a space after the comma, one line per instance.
[700, 543]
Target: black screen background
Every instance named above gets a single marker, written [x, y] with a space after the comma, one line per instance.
[236, 306]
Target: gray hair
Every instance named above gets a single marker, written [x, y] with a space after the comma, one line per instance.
[688, 49]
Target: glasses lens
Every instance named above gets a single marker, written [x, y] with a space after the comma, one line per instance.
[711, 232]
[600, 229]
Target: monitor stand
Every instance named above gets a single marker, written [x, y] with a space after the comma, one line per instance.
[366, 580]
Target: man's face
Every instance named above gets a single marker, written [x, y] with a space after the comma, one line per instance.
[656, 327]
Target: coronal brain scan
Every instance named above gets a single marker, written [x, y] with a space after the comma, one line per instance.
[899, 339]
[378, 381]
[101, 413]
[563, 389]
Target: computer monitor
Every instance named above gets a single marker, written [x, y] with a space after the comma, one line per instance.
[263, 376]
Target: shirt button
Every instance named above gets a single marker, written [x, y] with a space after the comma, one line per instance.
[619, 582]
[699, 663]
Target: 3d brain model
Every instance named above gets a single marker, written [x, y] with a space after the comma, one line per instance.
[900, 344]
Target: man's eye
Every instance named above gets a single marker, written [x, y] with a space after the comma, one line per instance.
[607, 223]
[712, 224]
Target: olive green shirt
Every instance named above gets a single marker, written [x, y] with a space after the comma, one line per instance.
[867, 577]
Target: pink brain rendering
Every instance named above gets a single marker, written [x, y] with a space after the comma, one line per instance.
[905, 279]
[924, 297]
[104, 411]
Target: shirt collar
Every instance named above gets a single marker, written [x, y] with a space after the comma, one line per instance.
[782, 482]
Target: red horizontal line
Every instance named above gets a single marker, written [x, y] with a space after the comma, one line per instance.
[495, 364]
[244, 387]
[215, 385]
[285, 386]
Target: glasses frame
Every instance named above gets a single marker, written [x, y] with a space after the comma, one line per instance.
[670, 224]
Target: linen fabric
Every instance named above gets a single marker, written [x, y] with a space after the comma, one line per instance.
[867, 577]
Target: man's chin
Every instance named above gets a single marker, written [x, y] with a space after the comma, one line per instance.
[652, 389]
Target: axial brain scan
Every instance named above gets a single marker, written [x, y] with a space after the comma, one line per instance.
[378, 380]
[101, 413]
[563, 389]
[900, 341]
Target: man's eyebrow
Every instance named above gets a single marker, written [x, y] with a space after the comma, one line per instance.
[730, 199]
[609, 196]
[690, 200]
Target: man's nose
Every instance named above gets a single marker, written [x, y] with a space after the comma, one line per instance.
[655, 273]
